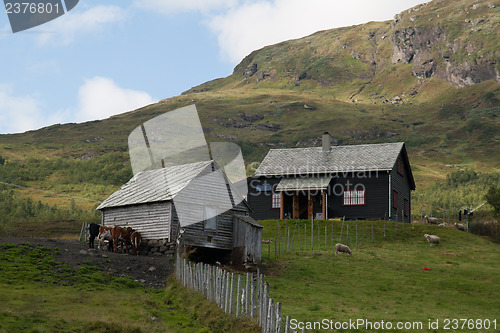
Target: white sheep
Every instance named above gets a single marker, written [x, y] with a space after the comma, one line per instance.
[431, 220]
[432, 239]
[444, 224]
[460, 226]
[342, 248]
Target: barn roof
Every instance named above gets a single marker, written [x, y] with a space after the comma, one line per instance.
[250, 220]
[155, 185]
[354, 158]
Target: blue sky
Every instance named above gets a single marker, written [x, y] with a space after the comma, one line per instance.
[108, 57]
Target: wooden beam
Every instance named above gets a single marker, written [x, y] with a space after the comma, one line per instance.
[323, 209]
[295, 206]
[310, 206]
[282, 206]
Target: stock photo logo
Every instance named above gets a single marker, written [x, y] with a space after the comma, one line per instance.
[25, 14]
[171, 158]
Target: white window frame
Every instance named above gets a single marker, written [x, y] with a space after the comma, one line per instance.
[210, 218]
[276, 200]
[354, 198]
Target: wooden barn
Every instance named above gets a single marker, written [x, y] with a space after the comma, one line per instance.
[370, 181]
[196, 197]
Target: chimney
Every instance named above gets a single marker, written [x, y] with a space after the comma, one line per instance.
[327, 142]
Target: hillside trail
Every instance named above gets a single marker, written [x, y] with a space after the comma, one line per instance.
[151, 271]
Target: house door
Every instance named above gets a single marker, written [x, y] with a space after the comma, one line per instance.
[303, 205]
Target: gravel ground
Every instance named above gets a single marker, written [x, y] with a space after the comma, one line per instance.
[152, 271]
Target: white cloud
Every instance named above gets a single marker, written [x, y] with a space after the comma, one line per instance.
[65, 28]
[100, 97]
[176, 6]
[254, 24]
[18, 113]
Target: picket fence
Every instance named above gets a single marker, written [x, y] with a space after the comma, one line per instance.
[236, 294]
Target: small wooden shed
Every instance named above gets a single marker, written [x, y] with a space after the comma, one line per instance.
[197, 197]
[247, 240]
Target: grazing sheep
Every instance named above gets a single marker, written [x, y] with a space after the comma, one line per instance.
[444, 224]
[342, 248]
[431, 220]
[432, 239]
[460, 226]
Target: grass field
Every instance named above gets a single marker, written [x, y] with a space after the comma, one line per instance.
[385, 279]
[38, 294]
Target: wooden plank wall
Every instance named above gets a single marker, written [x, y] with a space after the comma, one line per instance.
[152, 220]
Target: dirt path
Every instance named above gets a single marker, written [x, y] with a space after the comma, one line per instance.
[152, 271]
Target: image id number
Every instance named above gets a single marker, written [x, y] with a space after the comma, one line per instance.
[31, 7]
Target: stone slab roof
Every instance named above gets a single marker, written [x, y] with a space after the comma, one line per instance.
[355, 158]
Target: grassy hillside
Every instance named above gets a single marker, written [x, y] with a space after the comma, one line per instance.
[39, 294]
[428, 78]
[384, 279]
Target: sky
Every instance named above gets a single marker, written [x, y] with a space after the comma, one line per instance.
[108, 57]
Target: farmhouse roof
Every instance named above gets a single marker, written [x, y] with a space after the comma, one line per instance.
[304, 184]
[353, 158]
[155, 185]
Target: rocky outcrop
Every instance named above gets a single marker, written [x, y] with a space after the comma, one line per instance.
[449, 51]
[250, 70]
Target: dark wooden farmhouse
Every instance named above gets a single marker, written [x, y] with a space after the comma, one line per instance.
[371, 181]
[197, 198]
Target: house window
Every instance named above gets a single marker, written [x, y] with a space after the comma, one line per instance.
[407, 208]
[264, 187]
[354, 198]
[401, 167]
[395, 199]
[210, 218]
[276, 200]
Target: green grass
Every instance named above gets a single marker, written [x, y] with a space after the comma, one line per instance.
[38, 294]
[385, 280]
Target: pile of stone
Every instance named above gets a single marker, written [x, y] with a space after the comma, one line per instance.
[158, 247]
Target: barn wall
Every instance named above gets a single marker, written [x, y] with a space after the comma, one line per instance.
[152, 220]
[209, 189]
[260, 201]
[401, 184]
[221, 238]
[376, 188]
[247, 241]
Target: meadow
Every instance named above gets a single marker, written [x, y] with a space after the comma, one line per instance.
[39, 294]
[384, 279]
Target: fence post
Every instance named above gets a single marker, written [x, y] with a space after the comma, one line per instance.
[238, 296]
[231, 294]
[347, 235]
[270, 317]
[269, 246]
[287, 324]
[312, 235]
[305, 236]
[319, 237]
[356, 235]
[279, 239]
[247, 295]
[278, 317]
[326, 242]
[299, 237]
[252, 297]
[228, 282]
[372, 230]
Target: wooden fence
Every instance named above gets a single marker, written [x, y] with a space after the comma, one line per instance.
[322, 235]
[237, 294]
